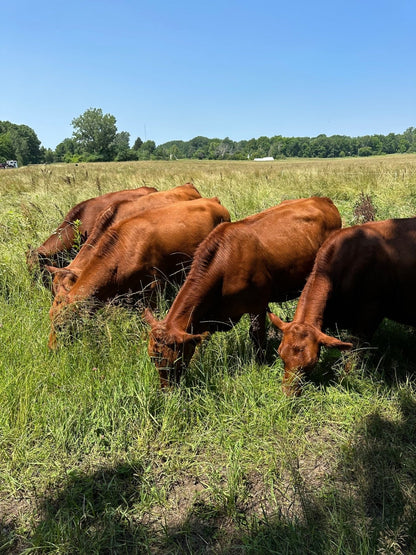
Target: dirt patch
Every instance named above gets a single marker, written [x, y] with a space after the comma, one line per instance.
[12, 512]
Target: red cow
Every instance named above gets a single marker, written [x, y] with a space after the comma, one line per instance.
[77, 226]
[123, 210]
[135, 254]
[361, 275]
[238, 269]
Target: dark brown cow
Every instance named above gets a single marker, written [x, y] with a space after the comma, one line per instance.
[137, 253]
[70, 231]
[239, 269]
[361, 275]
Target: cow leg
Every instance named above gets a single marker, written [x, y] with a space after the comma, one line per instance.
[168, 378]
[258, 335]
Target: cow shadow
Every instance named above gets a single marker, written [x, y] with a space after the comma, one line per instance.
[379, 472]
[367, 500]
[91, 513]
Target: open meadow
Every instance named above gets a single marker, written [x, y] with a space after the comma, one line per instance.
[95, 458]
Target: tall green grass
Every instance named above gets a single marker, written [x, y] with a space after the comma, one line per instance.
[95, 458]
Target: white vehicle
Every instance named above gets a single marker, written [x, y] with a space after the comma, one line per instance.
[11, 164]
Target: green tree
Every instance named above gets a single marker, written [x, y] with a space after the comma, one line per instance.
[95, 133]
[225, 148]
[409, 139]
[365, 151]
[66, 150]
[137, 144]
[263, 146]
[6, 147]
[122, 146]
[174, 152]
[47, 155]
[213, 149]
[146, 150]
[21, 143]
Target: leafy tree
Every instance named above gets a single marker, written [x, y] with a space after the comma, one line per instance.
[6, 147]
[95, 133]
[390, 143]
[365, 151]
[319, 146]
[409, 138]
[173, 152]
[20, 142]
[146, 150]
[47, 155]
[213, 149]
[65, 151]
[137, 144]
[225, 148]
[263, 146]
[251, 147]
[160, 153]
[122, 146]
[198, 147]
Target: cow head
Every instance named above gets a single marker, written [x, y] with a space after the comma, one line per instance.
[63, 279]
[299, 349]
[171, 351]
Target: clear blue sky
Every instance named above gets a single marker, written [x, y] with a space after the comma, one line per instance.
[171, 69]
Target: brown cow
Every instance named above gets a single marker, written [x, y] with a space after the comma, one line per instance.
[239, 269]
[361, 275]
[124, 210]
[135, 254]
[69, 232]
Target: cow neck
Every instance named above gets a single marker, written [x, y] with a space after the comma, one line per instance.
[200, 292]
[184, 311]
[313, 300]
[84, 255]
[91, 281]
[191, 304]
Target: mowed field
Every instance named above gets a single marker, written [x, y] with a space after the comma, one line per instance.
[95, 458]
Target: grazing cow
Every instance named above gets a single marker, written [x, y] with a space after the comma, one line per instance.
[80, 221]
[77, 226]
[361, 275]
[115, 213]
[125, 209]
[238, 269]
[135, 254]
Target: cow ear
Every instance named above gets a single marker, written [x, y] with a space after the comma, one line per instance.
[63, 272]
[149, 318]
[277, 322]
[53, 269]
[328, 341]
[195, 338]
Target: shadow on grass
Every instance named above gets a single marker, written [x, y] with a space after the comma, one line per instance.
[93, 514]
[364, 503]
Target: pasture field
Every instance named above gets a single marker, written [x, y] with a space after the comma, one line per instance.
[95, 458]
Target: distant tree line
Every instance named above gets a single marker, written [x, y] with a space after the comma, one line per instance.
[96, 138]
[284, 147]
